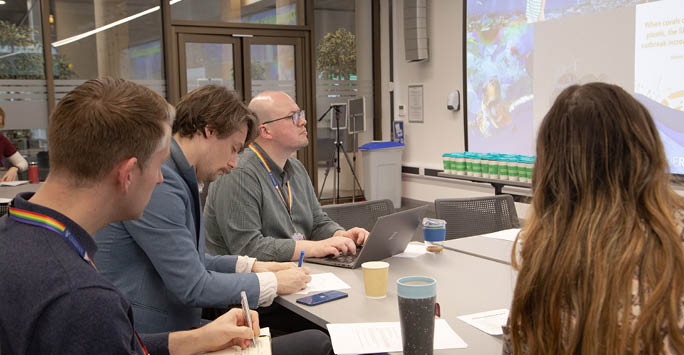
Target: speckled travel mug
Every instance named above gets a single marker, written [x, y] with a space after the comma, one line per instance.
[417, 296]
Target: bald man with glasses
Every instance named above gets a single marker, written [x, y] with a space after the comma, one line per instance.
[267, 208]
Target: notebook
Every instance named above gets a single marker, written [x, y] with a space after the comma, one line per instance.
[262, 346]
[390, 236]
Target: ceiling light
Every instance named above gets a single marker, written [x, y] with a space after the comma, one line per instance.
[107, 26]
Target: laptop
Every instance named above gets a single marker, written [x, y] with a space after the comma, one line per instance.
[390, 236]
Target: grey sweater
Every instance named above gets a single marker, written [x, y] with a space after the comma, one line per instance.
[245, 214]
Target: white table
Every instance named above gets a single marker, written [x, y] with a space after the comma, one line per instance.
[497, 250]
[465, 284]
[11, 191]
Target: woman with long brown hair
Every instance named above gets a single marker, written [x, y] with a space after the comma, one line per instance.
[601, 268]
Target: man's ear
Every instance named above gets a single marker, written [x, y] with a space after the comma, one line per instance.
[208, 132]
[264, 131]
[124, 174]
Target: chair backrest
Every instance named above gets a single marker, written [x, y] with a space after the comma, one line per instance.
[359, 214]
[466, 217]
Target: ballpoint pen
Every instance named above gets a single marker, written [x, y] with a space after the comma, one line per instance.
[248, 316]
[301, 258]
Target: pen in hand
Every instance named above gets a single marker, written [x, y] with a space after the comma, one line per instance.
[301, 258]
[248, 316]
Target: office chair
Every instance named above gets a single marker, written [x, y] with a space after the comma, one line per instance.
[359, 214]
[467, 217]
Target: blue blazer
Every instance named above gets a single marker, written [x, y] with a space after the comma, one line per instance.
[158, 261]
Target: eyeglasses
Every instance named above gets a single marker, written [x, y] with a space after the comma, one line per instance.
[295, 118]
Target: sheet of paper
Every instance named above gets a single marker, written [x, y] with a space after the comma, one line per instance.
[506, 234]
[324, 282]
[364, 338]
[412, 250]
[489, 322]
[13, 183]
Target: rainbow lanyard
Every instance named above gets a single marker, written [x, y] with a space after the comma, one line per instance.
[49, 223]
[273, 180]
[43, 221]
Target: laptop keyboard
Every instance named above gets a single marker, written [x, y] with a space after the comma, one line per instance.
[345, 259]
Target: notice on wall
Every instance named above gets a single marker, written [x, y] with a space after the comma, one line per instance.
[415, 103]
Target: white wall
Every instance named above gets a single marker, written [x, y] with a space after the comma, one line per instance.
[442, 130]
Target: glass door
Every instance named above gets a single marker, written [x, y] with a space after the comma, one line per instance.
[273, 63]
[209, 60]
[247, 63]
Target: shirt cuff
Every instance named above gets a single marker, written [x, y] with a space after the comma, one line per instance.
[268, 285]
[244, 264]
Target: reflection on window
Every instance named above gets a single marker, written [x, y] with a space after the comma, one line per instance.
[336, 55]
[343, 58]
[265, 12]
[23, 90]
[273, 68]
[116, 38]
[209, 64]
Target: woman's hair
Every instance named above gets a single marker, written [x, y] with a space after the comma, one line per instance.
[602, 218]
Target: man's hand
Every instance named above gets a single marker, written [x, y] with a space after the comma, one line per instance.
[10, 175]
[230, 329]
[331, 246]
[270, 266]
[292, 280]
[357, 234]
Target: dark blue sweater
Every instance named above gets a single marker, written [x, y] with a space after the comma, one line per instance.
[53, 302]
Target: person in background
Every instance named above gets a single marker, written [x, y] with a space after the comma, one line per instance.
[9, 152]
[601, 268]
[267, 208]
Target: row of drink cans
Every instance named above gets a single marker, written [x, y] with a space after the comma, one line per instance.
[510, 167]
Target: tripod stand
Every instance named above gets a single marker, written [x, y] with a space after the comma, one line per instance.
[339, 146]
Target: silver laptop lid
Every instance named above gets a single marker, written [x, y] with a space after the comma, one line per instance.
[391, 234]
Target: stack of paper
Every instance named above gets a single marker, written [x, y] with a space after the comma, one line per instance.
[366, 338]
[413, 250]
[13, 183]
[324, 282]
[506, 234]
[489, 322]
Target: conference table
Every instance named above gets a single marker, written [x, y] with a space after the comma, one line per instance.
[466, 284]
[8, 192]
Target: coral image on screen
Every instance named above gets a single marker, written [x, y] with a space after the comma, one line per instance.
[488, 14]
[521, 53]
[500, 89]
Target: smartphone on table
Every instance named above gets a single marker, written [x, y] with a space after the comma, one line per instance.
[321, 298]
